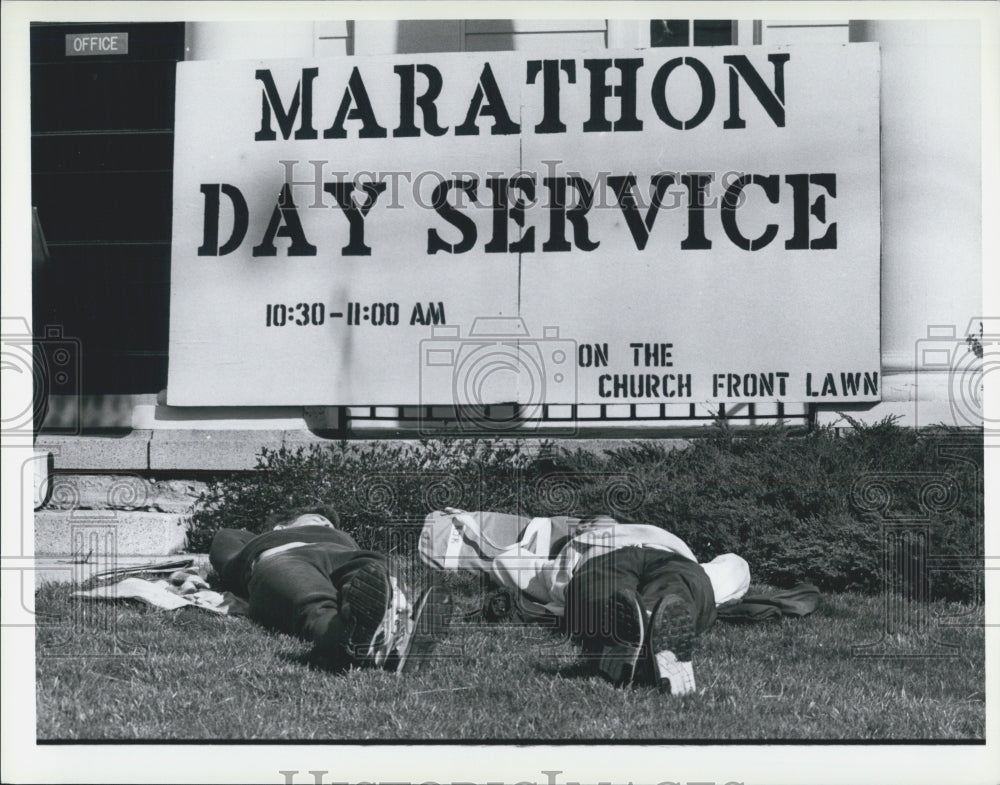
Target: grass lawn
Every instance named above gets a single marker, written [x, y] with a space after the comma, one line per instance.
[125, 671]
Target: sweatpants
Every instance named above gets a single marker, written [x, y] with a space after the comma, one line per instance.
[298, 592]
[650, 572]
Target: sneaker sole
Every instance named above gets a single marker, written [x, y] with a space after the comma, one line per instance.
[671, 646]
[623, 616]
[368, 596]
[431, 619]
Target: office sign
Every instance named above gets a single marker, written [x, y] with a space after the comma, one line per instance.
[80, 44]
[660, 226]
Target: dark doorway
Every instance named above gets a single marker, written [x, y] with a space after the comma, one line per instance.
[102, 129]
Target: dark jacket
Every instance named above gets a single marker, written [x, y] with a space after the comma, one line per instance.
[234, 551]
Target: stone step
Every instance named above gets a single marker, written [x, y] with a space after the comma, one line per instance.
[108, 533]
[128, 492]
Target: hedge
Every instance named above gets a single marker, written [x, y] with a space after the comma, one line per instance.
[824, 506]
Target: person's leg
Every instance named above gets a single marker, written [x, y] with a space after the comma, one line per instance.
[663, 573]
[604, 612]
[679, 594]
[593, 584]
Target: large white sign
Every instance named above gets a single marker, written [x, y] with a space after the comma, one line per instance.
[657, 226]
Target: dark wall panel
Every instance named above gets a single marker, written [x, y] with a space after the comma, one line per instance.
[117, 207]
[102, 163]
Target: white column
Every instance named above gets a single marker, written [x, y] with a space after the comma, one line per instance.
[931, 190]
[931, 204]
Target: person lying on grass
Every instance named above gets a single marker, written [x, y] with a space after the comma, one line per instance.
[308, 578]
[634, 596]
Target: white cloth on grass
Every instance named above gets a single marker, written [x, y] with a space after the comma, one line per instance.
[163, 594]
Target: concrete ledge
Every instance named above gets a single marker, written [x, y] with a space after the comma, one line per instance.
[128, 492]
[106, 534]
[97, 452]
[218, 418]
[210, 450]
[304, 438]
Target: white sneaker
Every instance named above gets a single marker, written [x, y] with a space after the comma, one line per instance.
[393, 629]
[671, 643]
[423, 628]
